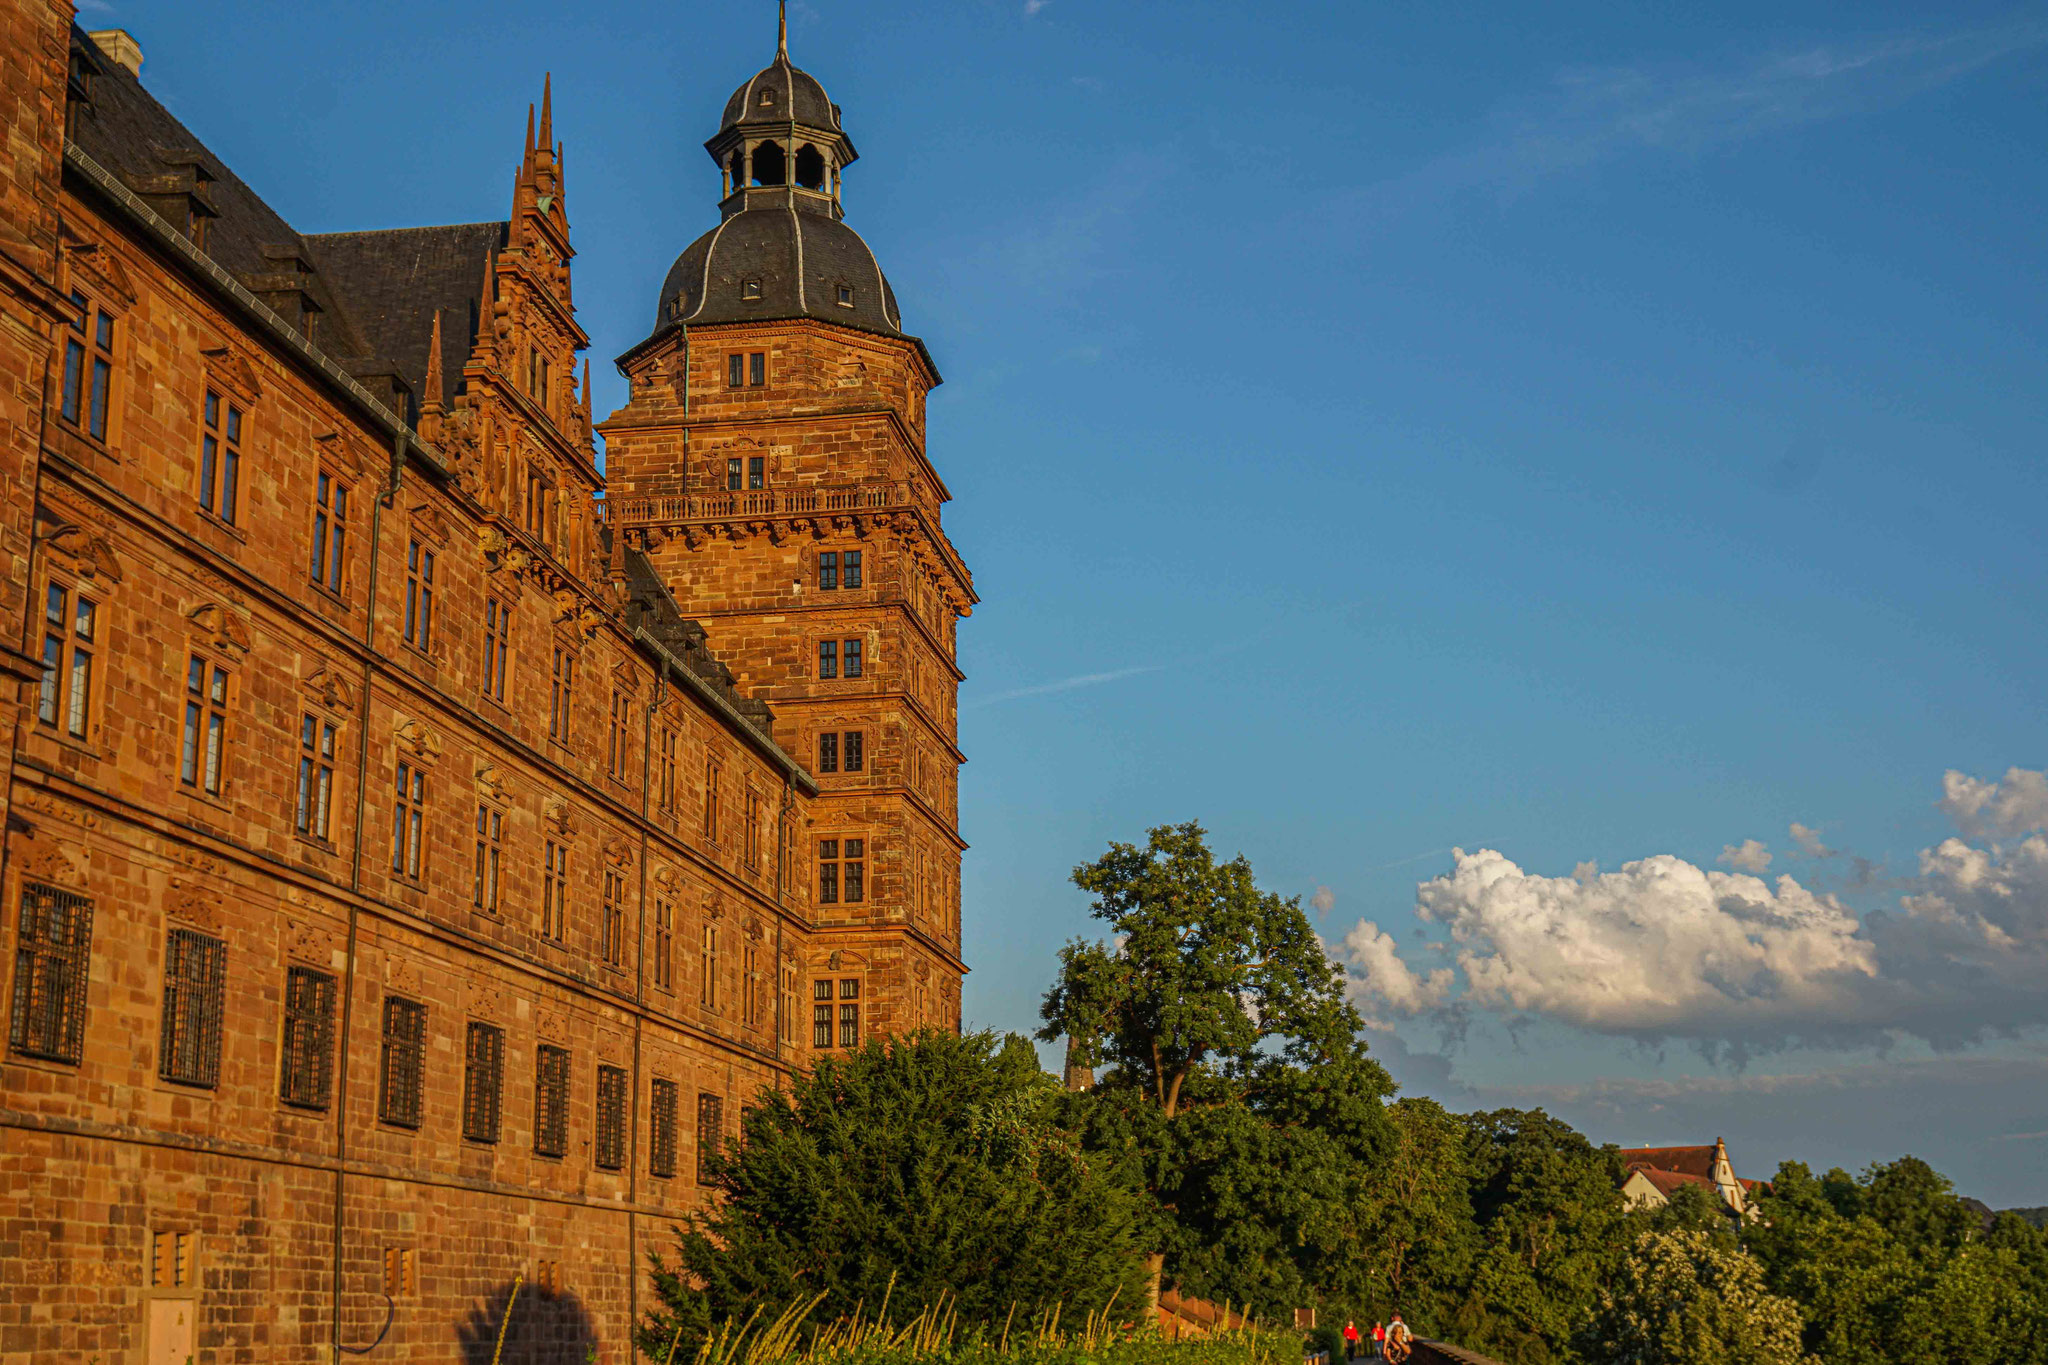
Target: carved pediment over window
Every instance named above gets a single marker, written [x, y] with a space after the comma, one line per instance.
[487, 1003]
[560, 818]
[618, 852]
[665, 877]
[314, 946]
[566, 604]
[428, 520]
[753, 929]
[45, 861]
[99, 271]
[84, 551]
[222, 628]
[417, 741]
[231, 371]
[714, 910]
[550, 1025]
[490, 784]
[401, 976]
[626, 678]
[193, 903]
[326, 687]
[341, 455]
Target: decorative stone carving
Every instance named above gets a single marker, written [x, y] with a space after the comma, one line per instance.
[45, 861]
[327, 688]
[429, 522]
[85, 551]
[618, 852]
[560, 818]
[194, 904]
[418, 740]
[225, 630]
[231, 371]
[490, 784]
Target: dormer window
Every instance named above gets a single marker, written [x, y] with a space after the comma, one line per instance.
[846, 296]
[767, 97]
[750, 289]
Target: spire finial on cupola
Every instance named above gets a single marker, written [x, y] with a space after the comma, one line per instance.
[782, 31]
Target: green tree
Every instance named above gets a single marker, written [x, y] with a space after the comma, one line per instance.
[938, 1163]
[1416, 1228]
[1693, 1298]
[1236, 1078]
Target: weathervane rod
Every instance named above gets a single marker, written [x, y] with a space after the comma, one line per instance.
[782, 30]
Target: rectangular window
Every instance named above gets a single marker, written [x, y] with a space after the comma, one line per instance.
[206, 725]
[661, 1126]
[220, 458]
[710, 801]
[707, 968]
[757, 471]
[828, 570]
[852, 650]
[564, 689]
[551, 1101]
[401, 1272]
[611, 1118]
[789, 1003]
[733, 476]
[619, 738]
[849, 1013]
[308, 1038]
[497, 648]
[853, 568]
[614, 935]
[195, 984]
[736, 371]
[842, 867]
[750, 977]
[757, 369]
[330, 530]
[408, 821]
[483, 1077]
[313, 812]
[70, 629]
[828, 752]
[664, 945]
[751, 846]
[710, 1134]
[856, 755]
[490, 847]
[828, 658]
[401, 1083]
[668, 770]
[419, 596]
[821, 1014]
[554, 892]
[88, 368]
[172, 1260]
[52, 971]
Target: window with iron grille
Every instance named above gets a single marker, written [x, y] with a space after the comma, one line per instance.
[408, 821]
[70, 622]
[710, 1133]
[550, 1100]
[206, 725]
[88, 368]
[821, 1014]
[849, 1013]
[308, 1038]
[419, 596]
[52, 970]
[497, 648]
[330, 530]
[614, 935]
[220, 458]
[611, 1118]
[490, 832]
[483, 1077]
[401, 1084]
[314, 809]
[664, 945]
[828, 751]
[563, 692]
[195, 984]
[661, 1130]
[554, 892]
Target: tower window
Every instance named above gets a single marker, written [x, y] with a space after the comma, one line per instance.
[744, 369]
[757, 369]
[771, 164]
[750, 289]
[810, 167]
[846, 296]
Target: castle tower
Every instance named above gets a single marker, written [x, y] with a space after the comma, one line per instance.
[770, 465]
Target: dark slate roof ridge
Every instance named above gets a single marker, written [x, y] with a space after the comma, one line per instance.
[124, 127]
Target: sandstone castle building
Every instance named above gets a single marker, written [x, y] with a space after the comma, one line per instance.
[422, 835]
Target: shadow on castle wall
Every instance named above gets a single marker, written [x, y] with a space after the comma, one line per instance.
[545, 1330]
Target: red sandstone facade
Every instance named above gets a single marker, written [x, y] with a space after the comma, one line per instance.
[416, 851]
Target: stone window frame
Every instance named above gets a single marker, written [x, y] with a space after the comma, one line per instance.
[232, 380]
[664, 1125]
[839, 996]
[75, 586]
[314, 1049]
[212, 659]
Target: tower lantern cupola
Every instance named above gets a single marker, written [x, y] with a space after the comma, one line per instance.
[780, 144]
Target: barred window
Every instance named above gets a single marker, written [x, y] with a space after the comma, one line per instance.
[821, 1014]
[483, 1079]
[614, 928]
[668, 770]
[206, 725]
[419, 596]
[308, 1038]
[490, 832]
[611, 1118]
[314, 811]
[750, 848]
[849, 1013]
[554, 892]
[550, 1100]
[664, 945]
[330, 530]
[70, 622]
[195, 984]
[401, 1085]
[52, 970]
[710, 1133]
[661, 1125]
[408, 821]
[497, 648]
[220, 457]
[618, 738]
[88, 368]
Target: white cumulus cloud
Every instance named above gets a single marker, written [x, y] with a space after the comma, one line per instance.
[1323, 901]
[1808, 839]
[1748, 856]
[2015, 804]
[1379, 975]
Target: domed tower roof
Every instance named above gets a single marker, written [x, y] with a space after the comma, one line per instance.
[781, 250]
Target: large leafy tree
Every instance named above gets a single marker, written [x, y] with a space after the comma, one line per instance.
[1693, 1298]
[1234, 1075]
[937, 1164]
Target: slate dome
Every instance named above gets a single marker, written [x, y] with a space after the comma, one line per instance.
[772, 263]
[778, 93]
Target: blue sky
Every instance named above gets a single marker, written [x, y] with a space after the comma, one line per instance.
[1589, 433]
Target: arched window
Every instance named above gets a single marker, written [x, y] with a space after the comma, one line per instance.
[770, 165]
[736, 168]
[810, 167]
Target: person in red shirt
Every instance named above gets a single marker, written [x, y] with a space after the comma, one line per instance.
[1379, 1339]
[1351, 1341]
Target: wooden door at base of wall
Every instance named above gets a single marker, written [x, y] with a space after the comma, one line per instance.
[170, 1331]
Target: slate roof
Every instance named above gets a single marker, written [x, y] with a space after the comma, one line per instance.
[800, 259]
[397, 278]
[1697, 1161]
[774, 92]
